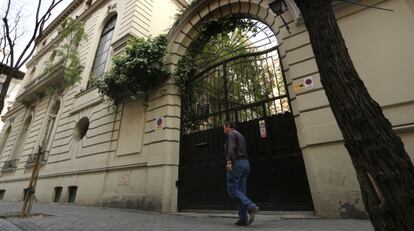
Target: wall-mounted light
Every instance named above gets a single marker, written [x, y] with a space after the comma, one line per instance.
[278, 7]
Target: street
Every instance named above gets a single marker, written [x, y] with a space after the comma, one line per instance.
[70, 217]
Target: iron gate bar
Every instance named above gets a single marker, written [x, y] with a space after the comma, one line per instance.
[262, 29]
[248, 105]
[231, 59]
[226, 91]
[284, 78]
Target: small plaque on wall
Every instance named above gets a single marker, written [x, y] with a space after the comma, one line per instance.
[123, 179]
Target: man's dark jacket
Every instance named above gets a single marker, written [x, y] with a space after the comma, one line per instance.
[235, 146]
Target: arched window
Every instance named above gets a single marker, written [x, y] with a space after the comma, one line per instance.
[4, 139]
[21, 139]
[50, 126]
[30, 77]
[102, 52]
[52, 56]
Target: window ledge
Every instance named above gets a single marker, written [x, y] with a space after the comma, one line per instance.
[85, 99]
[86, 91]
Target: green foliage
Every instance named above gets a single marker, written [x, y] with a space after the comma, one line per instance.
[213, 30]
[71, 34]
[137, 71]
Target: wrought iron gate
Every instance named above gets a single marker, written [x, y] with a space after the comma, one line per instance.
[249, 89]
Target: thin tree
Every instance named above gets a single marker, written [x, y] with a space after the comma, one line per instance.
[11, 60]
[383, 167]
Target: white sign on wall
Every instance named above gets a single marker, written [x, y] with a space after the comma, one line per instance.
[262, 127]
[308, 82]
[159, 122]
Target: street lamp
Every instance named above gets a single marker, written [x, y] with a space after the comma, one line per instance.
[278, 7]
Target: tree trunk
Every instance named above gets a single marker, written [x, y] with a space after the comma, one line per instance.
[384, 169]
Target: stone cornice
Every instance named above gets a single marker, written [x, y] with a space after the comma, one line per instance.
[52, 43]
[120, 43]
[16, 108]
[59, 19]
[182, 3]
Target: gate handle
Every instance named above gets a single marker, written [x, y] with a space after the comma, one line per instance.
[201, 144]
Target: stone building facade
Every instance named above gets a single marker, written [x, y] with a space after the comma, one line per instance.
[97, 154]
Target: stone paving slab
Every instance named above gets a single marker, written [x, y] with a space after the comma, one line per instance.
[79, 218]
[7, 226]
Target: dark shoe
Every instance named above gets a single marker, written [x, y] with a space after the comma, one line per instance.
[241, 223]
[252, 213]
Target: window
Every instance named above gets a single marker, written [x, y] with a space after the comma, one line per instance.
[72, 193]
[2, 192]
[81, 128]
[32, 72]
[103, 49]
[50, 126]
[57, 194]
[88, 3]
[337, 5]
[52, 57]
[25, 193]
[4, 139]
[30, 77]
[21, 139]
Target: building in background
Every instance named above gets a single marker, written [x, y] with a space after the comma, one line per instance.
[13, 90]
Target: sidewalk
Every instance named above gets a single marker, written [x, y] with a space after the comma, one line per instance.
[68, 217]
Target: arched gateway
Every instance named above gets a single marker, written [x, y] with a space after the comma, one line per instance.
[240, 79]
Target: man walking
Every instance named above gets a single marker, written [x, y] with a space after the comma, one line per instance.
[238, 169]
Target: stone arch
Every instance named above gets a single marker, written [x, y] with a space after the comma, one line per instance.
[185, 30]
[4, 138]
[21, 138]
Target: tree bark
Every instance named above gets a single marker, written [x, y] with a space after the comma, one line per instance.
[383, 167]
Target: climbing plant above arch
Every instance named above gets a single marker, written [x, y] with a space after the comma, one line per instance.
[211, 32]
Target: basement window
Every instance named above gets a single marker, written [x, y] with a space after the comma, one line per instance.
[25, 193]
[2, 192]
[337, 5]
[57, 194]
[72, 193]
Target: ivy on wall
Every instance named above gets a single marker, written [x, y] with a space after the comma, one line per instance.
[140, 69]
[188, 66]
[142, 66]
[71, 34]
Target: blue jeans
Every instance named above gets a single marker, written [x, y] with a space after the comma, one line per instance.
[236, 186]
